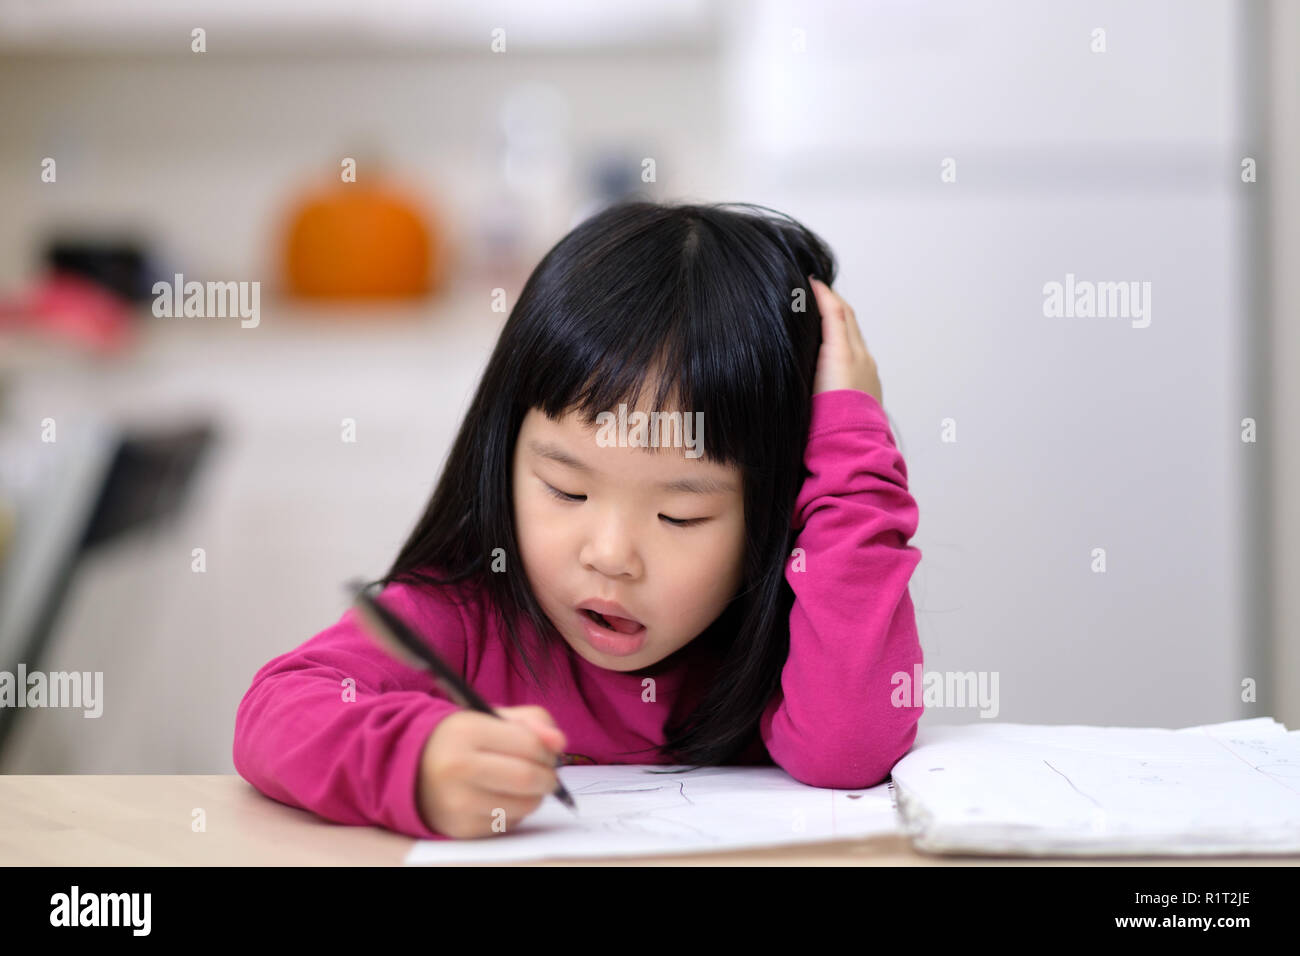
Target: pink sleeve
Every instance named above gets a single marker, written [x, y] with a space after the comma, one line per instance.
[852, 627]
[300, 740]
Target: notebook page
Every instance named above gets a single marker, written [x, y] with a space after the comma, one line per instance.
[1049, 790]
[626, 810]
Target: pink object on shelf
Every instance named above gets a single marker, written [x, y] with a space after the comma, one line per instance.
[71, 309]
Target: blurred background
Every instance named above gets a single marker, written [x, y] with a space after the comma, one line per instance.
[182, 496]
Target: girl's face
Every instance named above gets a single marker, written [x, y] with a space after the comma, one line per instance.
[610, 541]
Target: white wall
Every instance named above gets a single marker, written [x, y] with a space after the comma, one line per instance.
[1072, 433]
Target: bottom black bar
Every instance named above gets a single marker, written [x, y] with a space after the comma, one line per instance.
[931, 903]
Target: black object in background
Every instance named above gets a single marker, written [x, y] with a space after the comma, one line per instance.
[148, 480]
[123, 267]
[147, 483]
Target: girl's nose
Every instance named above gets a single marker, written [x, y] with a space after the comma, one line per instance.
[611, 551]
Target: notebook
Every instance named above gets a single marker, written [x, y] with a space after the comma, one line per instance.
[631, 810]
[1022, 789]
[983, 788]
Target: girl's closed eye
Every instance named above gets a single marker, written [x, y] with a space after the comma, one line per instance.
[563, 495]
[675, 522]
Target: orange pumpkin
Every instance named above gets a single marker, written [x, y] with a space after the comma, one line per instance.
[357, 240]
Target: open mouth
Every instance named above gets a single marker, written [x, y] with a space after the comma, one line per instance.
[619, 625]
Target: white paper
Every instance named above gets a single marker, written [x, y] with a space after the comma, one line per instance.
[630, 810]
[1021, 789]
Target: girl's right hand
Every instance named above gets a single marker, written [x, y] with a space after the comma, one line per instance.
[474, 766]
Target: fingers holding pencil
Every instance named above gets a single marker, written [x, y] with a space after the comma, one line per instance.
[481, 773]
[531, 723]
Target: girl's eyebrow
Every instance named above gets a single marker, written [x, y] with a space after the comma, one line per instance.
[703, 485]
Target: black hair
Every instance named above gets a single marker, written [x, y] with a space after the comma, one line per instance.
[713, 301]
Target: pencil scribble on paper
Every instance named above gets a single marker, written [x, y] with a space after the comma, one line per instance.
[1071, 783]
[642, 821]
[651, 825]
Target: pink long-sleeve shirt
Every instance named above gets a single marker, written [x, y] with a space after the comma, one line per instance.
[832, 723]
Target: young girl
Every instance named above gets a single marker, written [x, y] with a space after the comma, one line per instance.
[733, 591]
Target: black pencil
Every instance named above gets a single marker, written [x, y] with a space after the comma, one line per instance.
[398, 640]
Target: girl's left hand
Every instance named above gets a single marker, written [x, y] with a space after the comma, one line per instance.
[843, 361]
